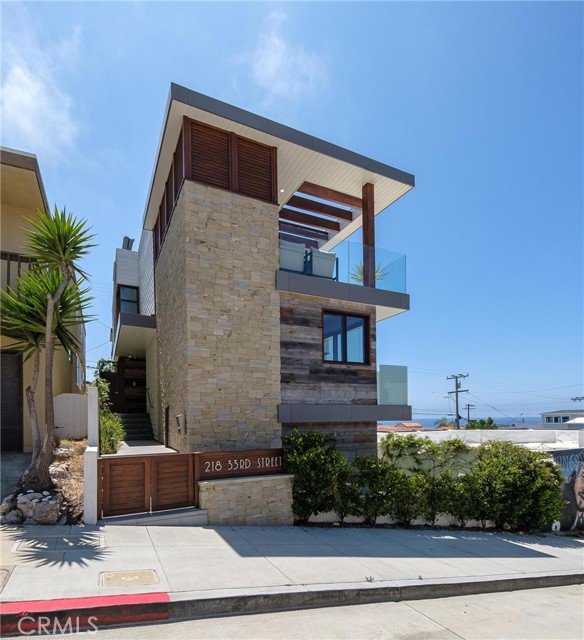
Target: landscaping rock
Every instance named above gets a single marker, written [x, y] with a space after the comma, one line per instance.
[58, 472]
[14, 517]
[26, 503]
[7, 505]
[47, 512]
[61, 453]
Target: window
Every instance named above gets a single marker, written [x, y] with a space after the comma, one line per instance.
[549, 419]
[345, 338]
[128, 299]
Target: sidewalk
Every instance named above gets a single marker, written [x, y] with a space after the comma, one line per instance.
[124, 574]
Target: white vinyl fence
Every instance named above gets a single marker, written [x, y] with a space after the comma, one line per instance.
[71, 416]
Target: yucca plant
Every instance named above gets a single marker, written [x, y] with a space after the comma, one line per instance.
[358, 273]
[24, 312]
[50, 301]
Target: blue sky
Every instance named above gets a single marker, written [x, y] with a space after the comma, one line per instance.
[482, 102]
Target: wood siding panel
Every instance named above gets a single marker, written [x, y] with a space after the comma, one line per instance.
[305, 378]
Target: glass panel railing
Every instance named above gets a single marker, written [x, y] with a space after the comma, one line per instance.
[388, 267]
[392, 384]
[382, 269]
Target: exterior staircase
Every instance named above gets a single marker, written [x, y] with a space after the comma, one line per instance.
[137, 426]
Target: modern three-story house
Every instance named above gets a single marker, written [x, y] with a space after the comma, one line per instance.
[247, 309]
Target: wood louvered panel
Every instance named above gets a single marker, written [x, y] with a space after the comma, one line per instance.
[254, 174]
[173, 483]
[178, 167]
[210, 155]
[126, 486]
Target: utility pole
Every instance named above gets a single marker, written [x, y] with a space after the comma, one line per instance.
[468, 408]
[456, 377]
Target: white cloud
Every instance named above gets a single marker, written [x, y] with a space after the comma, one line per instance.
[283, 70]
[37, 112]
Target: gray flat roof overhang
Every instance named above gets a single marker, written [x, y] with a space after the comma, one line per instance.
[386, 303]
[299, 413]
[132, 334]
[301, 157]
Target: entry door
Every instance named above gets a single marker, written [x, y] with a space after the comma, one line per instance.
[11, 401]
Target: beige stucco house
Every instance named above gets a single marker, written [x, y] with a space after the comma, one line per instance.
[22, 193]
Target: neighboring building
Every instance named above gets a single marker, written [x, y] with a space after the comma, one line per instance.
[401, 426]
[22, 193]
[562, 416]
[245, 312]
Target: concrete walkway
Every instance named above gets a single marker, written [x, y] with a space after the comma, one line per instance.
[176, 572]
[12, 466]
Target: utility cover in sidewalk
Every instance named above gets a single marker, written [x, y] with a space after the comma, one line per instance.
[128, 578]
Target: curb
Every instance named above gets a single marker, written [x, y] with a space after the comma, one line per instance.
[313, 596]
[76, 614]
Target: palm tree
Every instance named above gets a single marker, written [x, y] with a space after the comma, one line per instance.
[24, 313]
[57, 243]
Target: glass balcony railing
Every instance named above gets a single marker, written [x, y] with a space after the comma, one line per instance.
[392, 384]
[345, 264]
[389, 266]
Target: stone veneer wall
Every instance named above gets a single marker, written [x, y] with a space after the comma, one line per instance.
[219, 320]
[259, 500]
[171, 326]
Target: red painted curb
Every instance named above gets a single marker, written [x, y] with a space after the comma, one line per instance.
[74, 614]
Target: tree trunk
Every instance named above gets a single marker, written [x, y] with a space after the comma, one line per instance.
[34, 420]
[38, 476]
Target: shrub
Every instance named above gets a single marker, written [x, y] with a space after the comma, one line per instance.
[315, 466]
[516, 487]
[460, 497]
[489, 423]
[346, 492]
[111, 432]
[407, 497]
[376, 480]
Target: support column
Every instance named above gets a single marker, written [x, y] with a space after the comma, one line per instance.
[368, 200]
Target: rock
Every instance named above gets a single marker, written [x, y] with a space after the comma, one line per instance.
[61, 454]
[46, 493]
[25, 503]
[30, 491]
[58, 472]
[14, 517]
[7, 505]
[62, 520]
[47, 512]
[30, 521]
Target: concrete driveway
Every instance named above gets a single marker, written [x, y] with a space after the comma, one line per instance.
[13, 465]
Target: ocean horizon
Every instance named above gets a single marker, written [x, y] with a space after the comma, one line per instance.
[525, 422]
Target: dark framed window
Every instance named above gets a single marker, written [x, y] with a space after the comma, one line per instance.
[128, 299]
[345, 338]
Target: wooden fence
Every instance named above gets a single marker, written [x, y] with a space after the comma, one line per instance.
[140, 484]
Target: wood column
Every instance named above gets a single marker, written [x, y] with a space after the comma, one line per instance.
[368, 208]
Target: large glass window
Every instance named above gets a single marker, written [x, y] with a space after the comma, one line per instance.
[129, 299]
[345, 338]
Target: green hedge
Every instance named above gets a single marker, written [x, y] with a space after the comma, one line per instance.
[500, 482]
